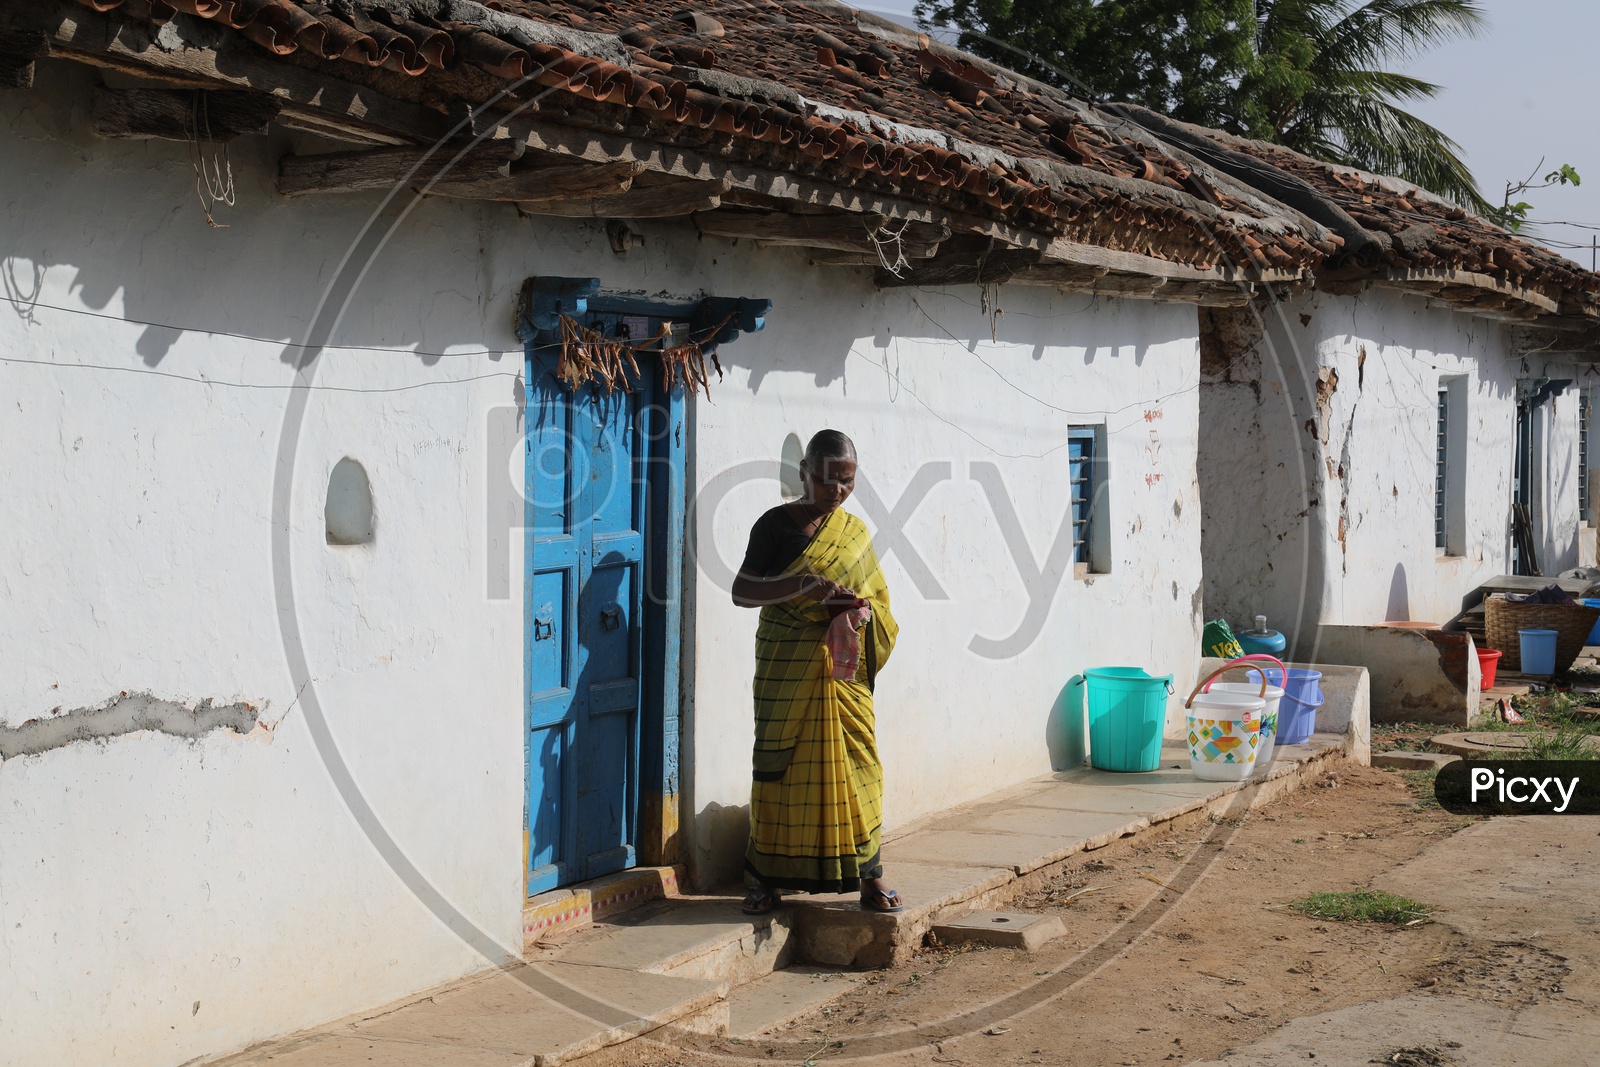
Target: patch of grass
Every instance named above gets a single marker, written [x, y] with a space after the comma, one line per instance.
[1562, 742]
[1363, 905]
[1555, 708]
[1420, 783]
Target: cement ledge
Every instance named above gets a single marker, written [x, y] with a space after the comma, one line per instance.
[981, 855]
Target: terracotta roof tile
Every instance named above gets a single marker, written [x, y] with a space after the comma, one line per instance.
[1390, 226]
[880, 107]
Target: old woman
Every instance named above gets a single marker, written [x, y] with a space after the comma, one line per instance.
[816, 804]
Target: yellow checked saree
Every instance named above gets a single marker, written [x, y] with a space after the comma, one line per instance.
[816, 804]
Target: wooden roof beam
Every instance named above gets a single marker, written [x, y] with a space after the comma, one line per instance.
[843, 232]
[647, 198]
[1461, 280]
[18, 49]
[385, 168]
[181, 114]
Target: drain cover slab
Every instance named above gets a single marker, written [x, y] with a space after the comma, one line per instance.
[1008, 929]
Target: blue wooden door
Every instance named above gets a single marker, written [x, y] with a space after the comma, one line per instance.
[587, 472]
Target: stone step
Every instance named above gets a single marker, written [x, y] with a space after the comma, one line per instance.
[1481, 744]
[689, 937]
[1403, 760]
[782, 997]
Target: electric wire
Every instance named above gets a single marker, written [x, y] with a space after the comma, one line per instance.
[270, 386]
[25, 306]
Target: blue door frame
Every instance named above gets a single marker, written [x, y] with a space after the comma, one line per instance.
[604, 582]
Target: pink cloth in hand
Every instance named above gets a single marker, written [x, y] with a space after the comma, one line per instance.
[844, 642]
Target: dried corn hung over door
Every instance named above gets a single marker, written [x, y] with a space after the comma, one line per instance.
[586, 355]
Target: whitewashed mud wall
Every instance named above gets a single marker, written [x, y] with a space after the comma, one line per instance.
[986, 641]
[166, 897]
[1317, 460]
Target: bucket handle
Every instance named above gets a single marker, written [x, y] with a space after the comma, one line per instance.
[1189, 704]
[1239, 663]
[1306, 703]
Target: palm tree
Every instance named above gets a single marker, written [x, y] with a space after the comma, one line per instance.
[1312, 76]
[1322, 89]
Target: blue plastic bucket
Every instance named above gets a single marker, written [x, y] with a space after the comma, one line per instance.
[1538, 651]
[1297, 711]
[1594, 634]
[1127, 714]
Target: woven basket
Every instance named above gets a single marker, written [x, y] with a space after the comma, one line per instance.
[1503, 618]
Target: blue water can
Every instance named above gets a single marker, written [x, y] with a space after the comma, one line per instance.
[1261, 640]
[1127, 715]
[1538, 651]
[1594, 634]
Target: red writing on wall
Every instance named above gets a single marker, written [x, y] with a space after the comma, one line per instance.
[1152, 448]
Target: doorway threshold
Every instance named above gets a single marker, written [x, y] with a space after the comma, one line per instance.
[573, 907]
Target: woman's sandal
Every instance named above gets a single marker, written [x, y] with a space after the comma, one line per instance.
[761, 901]
[878, 899]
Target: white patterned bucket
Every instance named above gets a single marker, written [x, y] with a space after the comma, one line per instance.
[1224, 735]
[1269, 717]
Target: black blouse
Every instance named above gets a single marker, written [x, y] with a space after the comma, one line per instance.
[776, 541]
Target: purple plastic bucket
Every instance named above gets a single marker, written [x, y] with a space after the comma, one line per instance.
[1297, 711]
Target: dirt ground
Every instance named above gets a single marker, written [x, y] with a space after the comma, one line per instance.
[1149, 975]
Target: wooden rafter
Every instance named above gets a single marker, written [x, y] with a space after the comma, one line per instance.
[385, 168]
[845, 233]
[181, 114]
[491, 170]
[18, 49]
[648, 198]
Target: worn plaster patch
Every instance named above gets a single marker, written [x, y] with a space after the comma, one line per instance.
[126, 713]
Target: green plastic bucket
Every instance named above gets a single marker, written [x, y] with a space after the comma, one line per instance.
[1127, 714]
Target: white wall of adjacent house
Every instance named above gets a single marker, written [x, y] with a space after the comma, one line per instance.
[165, 897]
[1320, 460]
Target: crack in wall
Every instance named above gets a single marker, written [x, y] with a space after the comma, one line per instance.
[126, 713]
[1345, 463]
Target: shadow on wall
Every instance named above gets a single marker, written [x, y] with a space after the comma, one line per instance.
[1399, 608]
[956, 318]
[720, 835]
[1066, 729]
[136, 246]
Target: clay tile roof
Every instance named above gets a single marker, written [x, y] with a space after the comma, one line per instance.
[813, 87]
[1396, 230]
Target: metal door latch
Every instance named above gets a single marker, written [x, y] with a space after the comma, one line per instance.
[543, 628]
[611, 618]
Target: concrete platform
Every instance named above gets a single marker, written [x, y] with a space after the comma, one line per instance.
[976, 856]
[782, 997]
[538, 1015]
[699, 964]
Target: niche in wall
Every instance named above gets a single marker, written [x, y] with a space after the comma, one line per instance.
[347, 513]
[789, 468]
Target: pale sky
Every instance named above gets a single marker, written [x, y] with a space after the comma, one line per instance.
[1523, 90]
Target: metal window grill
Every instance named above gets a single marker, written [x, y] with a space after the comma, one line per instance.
[1439, 475]
[1081, 474]
[1585, 406]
